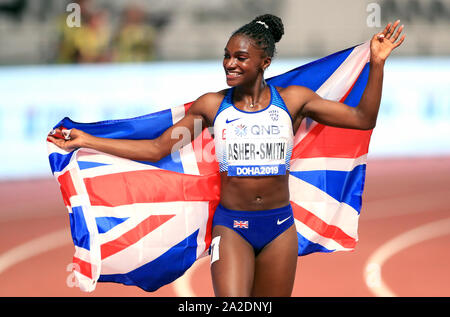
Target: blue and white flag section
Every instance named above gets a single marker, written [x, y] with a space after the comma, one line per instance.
[145, 224]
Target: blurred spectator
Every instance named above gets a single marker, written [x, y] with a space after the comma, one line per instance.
[135, 39]
[89, 43]
[67, 50]
[13, 8]
[92, 40]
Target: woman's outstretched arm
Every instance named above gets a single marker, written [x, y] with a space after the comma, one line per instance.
[364, 116]
[180, 134]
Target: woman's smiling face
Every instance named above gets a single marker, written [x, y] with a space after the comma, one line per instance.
[243, 61]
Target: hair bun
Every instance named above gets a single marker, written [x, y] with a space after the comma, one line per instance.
[274, 23]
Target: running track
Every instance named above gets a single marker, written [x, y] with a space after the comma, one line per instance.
[403, 248]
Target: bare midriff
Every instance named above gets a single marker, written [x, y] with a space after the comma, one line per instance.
[254, 193]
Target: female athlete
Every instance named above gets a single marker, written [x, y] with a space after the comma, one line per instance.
[255, 240]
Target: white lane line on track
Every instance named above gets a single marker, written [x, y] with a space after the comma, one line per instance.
[372, 269]
[22, 252]
[182, 286]
[53, 240]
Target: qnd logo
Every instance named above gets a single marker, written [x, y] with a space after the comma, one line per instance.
[265, 129]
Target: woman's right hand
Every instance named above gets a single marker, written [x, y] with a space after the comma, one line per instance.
[67, 140]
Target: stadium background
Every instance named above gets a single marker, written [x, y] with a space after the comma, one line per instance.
[126, 58]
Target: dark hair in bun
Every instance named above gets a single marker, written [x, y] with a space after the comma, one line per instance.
[266, 30]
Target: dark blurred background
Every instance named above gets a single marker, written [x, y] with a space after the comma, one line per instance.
[36, 32]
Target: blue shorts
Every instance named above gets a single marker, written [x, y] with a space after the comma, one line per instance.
[259, 228]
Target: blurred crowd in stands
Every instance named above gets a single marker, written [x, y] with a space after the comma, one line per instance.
[95, 40]
[37, 32]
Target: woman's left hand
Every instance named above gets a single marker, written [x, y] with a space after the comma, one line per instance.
[383, 43]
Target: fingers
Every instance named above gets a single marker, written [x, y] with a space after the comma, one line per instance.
[66, 134]
[61, 138]
[386, 29]
[66, 145]
[57, 141]
[399, 42]
[397, 34]
[391, 29]
[55, 134]
[61, 133]
[392, 33]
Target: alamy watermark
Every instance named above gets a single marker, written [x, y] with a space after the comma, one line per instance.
[71, 280]
[202, 143]
[374, 17]
[74, 17]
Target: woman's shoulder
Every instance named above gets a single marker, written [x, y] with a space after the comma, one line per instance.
[295, 97]
[208, 104]
[213, 96]
[210, 99]
[293, 89]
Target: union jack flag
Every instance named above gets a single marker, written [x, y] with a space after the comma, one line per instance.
[240, 224]
[145, 224]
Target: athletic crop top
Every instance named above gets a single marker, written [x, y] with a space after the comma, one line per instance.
[255, 143]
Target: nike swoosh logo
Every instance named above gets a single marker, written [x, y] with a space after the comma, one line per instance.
[229, 121]
[280, 222]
